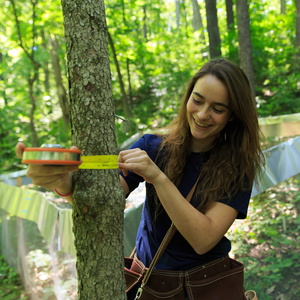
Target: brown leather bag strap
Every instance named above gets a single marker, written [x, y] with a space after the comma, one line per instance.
[167, 239]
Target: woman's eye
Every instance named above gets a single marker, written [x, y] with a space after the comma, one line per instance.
[196, 101]
[219, 111]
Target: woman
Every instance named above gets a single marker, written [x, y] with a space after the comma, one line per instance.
[216, 136]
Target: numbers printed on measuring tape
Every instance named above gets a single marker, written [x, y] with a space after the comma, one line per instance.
[99, 162]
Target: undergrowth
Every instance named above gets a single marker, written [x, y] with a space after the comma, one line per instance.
[268, 242]
[10, 284]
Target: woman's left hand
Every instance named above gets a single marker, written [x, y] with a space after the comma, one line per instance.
[139, 162]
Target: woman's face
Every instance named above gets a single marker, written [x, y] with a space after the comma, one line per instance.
[208, 111]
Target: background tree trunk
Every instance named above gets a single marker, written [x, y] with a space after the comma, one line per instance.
[213, 29]
[197, 20]
[245, 45]
[45, 66]
[123, 11]
[61, 91]
[185, 19]
[98, 205]
[282, 7]
[3, 83]
[31, 82]
[35, 66]
[126, 107]
[177, 13]
[129, 82]
[145, 22]
[297, 30]
[230, 16]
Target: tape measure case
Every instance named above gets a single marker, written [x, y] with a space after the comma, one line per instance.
[51, 155]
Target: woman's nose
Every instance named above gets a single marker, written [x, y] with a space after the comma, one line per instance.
[203, 113]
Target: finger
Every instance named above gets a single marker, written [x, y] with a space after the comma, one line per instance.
[19, 149]
[134, 167]
[128, 152]
[138, 155]
[121, 160]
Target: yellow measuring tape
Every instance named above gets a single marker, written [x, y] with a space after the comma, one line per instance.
[99, 162]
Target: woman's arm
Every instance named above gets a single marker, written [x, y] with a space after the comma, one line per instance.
[202, 231]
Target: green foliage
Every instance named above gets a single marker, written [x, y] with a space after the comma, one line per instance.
[276, 79]
[10, 285]
[160, 64]
[268, 242]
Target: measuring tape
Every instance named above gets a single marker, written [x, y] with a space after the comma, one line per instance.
[99, 162]
[54, 154]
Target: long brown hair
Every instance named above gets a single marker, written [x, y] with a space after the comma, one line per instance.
[236, 154]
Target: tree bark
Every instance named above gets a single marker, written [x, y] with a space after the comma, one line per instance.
[213, 29]
[2, 79]
[98, 201]
[61, 91]
[282, 7]
[145, 23]
[230, 16]
[177, 13]
[123, 11]
[297, 30]
[245, 44]
[45, 67]
[129, 82]
[126, 107]
[35, 64]
[185, 18]
[31, 81]
[197, 19]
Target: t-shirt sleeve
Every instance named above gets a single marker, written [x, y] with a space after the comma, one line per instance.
[148, 143]
[240, 201]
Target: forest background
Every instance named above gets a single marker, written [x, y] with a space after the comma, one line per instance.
[155, 47]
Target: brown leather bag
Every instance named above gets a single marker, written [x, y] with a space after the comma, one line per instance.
[219, 279]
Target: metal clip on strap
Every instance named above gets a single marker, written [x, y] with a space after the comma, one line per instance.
[139, 292]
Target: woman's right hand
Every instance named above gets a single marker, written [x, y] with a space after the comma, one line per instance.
[49, 177]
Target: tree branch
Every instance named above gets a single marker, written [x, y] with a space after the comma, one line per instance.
[34, 34]
[20, 35]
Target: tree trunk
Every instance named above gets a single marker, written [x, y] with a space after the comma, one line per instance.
[177, 13]
[145, 23]
[197, 20]
[129, 82]
[124, 96]
[61, 91]
[282, 7]
[297, 30]
[3, 83]
[230, 16]
[185, 19]
[98, 204]
[213, 29]
[45, 67]
[244, 37]
[35, 65]
[31, 81]
[123, 11]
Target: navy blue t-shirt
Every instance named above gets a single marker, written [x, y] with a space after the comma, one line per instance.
[179, 254]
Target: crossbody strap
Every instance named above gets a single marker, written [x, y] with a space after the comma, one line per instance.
[168, 237]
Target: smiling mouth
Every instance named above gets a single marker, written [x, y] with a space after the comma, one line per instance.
[201, 125]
